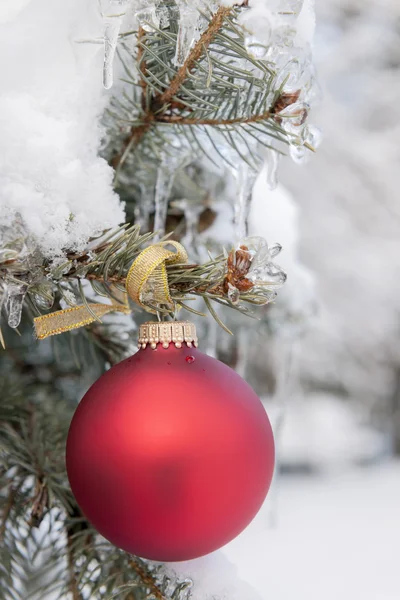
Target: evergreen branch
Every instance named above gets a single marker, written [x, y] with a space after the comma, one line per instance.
[176, 119]
[199, 48]
[211, 89]
[105, 265]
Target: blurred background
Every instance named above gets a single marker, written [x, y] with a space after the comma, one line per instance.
[337, 412]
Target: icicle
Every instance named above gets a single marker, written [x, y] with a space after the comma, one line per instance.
[148, 15]
[272, 163]
[144, 206]
[246, 178]
[14, 302]
[191, 211]
[289, 77]
[312, 136]
[298, 153]
[164, 183]
[113, 24]
[188, 20]
[257, 27]
[165, 179]
[264, 271]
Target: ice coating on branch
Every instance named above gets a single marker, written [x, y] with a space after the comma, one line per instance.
[15, 294]
[145, 12]
[163, 189]
[263, 271]
[258, 23]
[188, 20]
[111, 32]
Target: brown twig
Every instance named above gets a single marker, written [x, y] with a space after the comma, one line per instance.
[194, 55]
[142, 65]
[131, 141]
[147, 579]
[215, 122]
[40, 502]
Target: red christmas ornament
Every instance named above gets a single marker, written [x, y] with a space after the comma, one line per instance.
[170, 454]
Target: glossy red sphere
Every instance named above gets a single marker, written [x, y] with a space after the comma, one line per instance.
[170, 454]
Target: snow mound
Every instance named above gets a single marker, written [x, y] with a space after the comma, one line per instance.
[51, 177]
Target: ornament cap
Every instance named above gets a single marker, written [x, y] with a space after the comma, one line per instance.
[167, 332]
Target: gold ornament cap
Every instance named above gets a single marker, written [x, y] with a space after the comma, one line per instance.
[165, 333]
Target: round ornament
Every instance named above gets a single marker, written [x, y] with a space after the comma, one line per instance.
[170, 453]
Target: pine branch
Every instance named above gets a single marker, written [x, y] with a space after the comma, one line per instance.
[210, 90]
[199, 48]
[105, 266]
[175, 119]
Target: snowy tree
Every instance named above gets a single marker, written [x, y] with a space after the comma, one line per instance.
[126, 123]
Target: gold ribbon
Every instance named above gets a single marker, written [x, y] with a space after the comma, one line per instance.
[146, 284]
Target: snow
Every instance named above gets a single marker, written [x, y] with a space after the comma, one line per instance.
[51, 175]
[215, 577]
[336, 537]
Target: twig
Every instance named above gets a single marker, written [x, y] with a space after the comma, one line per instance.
[131, 142]
[176, 119]
[142, 67]
[194, 55]
[40, 502]
[147, 579]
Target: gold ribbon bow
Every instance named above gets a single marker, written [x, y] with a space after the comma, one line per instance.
[146, 284]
